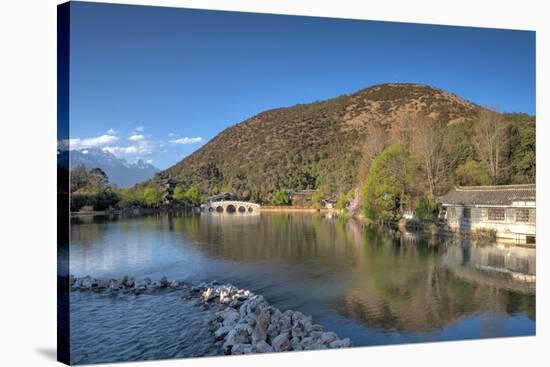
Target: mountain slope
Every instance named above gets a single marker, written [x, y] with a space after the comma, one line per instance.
[321, 145]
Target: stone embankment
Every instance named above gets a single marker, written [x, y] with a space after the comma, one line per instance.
[244, 322]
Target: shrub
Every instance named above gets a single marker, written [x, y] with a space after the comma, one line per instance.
[281, 197]
[426, 210]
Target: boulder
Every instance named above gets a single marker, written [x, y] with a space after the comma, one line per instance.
[261, 325]
[221, 332]
[114, 284]
[239, 349]
[163, 283]
[281, 343]
[272, 331]
[296, 344]
[209, 294]
[86, 282]
[229, 316]
[285, 323]
[237, 335]
[262, 347]
[297, 317]
[341, 343]
[328, 337]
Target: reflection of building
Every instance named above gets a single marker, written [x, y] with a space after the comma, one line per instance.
[508, 210]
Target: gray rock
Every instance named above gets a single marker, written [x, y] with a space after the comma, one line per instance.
[237, 335]
[296, 344]
[229, 315]
[316, 334]
[307, 341]
[328, 337]
[281, 343]
[163, 283]
[86, 282]
[221, 332]
[262, 347]
[341, 343]
[236, 304]
[285, 323]
[297, 331]
[314, 346]
[297, 316]
[272, 331]
[262, 324]
[114, 284]
[240, 349]
[209, 294]
[316, 327]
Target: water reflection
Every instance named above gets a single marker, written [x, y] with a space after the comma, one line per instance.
[370, 284]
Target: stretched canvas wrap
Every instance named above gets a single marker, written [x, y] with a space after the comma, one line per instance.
[237, 183]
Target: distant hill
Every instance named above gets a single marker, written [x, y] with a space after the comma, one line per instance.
[322, 145]
[118, 170]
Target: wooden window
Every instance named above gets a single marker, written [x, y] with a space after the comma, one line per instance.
[496, 214]
[522, 215]
[467, 213]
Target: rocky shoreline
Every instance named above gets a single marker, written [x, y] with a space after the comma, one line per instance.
[244, 322]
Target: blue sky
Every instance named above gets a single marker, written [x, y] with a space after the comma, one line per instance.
[157, 83]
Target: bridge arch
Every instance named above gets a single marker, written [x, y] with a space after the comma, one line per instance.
[230, 206]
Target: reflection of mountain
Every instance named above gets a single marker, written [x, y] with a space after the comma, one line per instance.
[119, 171]
[292, 238]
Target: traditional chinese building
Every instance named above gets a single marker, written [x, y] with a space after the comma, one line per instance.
[509, 210]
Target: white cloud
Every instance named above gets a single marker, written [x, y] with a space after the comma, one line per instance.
[171, 134]
[121, 151]
[111, 131]
[187, 140]
[150, 161]
[96, 142]
[140, 128]
[136, 137]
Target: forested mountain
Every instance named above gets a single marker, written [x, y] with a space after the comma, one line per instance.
[329, 145]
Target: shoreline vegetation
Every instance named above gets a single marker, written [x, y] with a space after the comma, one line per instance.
[244, 322]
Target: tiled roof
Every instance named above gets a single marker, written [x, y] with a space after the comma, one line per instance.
[489, 195]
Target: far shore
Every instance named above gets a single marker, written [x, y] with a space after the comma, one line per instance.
[295, 209]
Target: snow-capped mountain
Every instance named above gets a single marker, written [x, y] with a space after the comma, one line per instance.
[119, 171]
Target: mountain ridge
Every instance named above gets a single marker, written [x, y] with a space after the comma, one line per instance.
[319, 145]
[119, 171]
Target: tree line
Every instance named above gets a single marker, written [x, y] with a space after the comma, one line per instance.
[92, 188]
[421, 158]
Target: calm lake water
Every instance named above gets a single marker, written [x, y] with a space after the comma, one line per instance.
[364, 283]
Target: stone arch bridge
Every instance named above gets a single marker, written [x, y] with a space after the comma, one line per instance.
[230, 206]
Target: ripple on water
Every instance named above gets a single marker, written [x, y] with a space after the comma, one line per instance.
[107, 328]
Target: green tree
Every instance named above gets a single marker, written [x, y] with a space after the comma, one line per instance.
[317, 199]
[426, 210]
[523, 153]
[152, 196]
[179, 194]
[385, 191]
[472, 173]
[79, 178]
[281, 197]
[193, 195]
